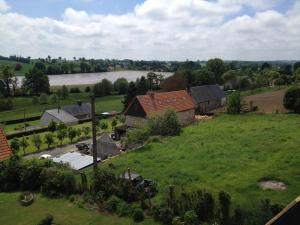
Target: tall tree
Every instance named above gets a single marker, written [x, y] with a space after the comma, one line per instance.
[218, 67]
[131, 93]
[36, 82]
[6, 78]
[142, 86]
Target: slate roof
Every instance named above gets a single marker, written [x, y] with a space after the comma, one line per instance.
[158, 102]
[5, 150]
[78, 109]
[62, 116]
[106, 147]
[206, 93]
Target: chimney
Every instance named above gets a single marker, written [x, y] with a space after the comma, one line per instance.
[151, 94]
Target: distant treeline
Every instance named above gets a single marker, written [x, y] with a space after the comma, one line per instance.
[16, 58]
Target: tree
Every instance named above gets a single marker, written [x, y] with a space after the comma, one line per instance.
[49, 139]
[291, 99]
[43, 99]
[78, 133]
[87, 89]
[154, 80]
[121, 85]
[61, 134]
[6, 77]
[265, 65]
[5, 104]
[15, 146]
[296, 66]
[174, 83]
[64, 92]
[142, 86]
[103, 125]
[24, 144]
[53, 99]
[36, 82]
[86, 131]
[131, 93]
[37, 141]
[218, 67]
[103, 88]
[40, 66]
[234, 104]
[114, 123]
[72, 133]
[203, 77]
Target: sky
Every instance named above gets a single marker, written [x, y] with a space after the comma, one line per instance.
[152, 29]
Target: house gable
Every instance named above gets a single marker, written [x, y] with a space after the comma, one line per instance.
[135, 109]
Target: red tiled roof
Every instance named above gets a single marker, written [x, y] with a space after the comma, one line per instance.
[5, 151]
[158, 102]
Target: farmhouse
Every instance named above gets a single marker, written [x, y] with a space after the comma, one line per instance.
[143, 107]
[208, 97]
[58, 116]
[80, 110]
[69, 114]
[5, 150]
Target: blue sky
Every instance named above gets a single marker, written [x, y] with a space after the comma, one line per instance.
[56, 8]
[152, 29]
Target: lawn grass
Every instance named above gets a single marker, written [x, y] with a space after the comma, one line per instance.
[107, 103]
[64, 213]
[230, 153]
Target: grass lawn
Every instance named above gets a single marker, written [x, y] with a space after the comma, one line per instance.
[25, 67]
[103, 104]
[64, 213]
[230, 153]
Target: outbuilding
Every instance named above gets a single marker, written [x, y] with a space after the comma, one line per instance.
[58, 116]
[144, 107]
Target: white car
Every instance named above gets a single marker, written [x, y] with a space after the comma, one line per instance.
[45, 156]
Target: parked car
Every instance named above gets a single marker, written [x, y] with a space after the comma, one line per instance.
[141, 184]
[82, 146]
[45, 156]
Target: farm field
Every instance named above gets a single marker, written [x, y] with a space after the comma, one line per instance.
[230, 153]
[268, 102]
[107, 103]
[64, 213]
[25, 67]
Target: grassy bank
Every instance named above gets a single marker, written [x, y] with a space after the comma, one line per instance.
[230, 153]
[64, 213]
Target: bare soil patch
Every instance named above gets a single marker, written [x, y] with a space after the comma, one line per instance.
[272, 185]
[269, 102]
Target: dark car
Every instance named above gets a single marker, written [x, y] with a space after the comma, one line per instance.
[82, 146]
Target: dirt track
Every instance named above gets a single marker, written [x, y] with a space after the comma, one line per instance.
[268, 102]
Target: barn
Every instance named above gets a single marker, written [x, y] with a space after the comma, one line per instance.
[143, 107]
[208, 98]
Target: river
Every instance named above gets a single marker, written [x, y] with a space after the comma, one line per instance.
[92, 78]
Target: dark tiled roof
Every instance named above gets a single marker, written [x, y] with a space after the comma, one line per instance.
[62, 116]
[206, 93]
[106, 147]
[159, 102]
[78, 109]
[5, 150]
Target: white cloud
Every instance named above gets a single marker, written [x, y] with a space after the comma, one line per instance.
[159, 29]
[4, 6]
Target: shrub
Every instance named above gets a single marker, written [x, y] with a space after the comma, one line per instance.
[234, 103]
[87, 89]
[166, 124]
[47, 220]
[43, 99]
[53, 99]
[123, 209]
[136, 136]
[190, 218]
[5, 104]
[103, 125]
[35, 100]
[112, 204]
[75, 90]
[291, 99]
[137, 214]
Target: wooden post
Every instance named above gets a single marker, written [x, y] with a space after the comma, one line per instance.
[94, 133]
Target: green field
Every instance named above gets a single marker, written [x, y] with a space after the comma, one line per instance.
[25, 67]
[103, 104]
[64, 213]
[230, 153]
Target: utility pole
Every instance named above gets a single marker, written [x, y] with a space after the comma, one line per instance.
[94, 132]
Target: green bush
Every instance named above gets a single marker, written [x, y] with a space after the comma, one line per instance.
[112, 204]
[190, 218]
[234, 103]
[166, 124]
[123, 209]
[47, 220]
[291, 99]
[5, 104]
[136, 136]
[43, 99]
[137, 214]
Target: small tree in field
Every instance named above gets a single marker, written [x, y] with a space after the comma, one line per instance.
[61, 134]
[24, 144]
[103, 125]
[52, 126]
[291, 99]
[78, 133]
[86, 131]
[234, 103]
[49, 139]
[37, 141]
[15, 146]
[72, 134]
